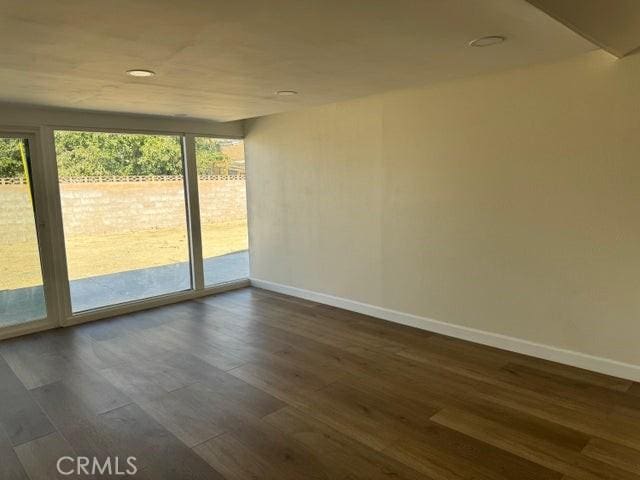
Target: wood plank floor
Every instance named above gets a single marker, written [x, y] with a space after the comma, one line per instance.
[254, 385]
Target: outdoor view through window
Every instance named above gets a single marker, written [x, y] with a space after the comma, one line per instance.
[21, 292]
[223, 209]
[124, 215]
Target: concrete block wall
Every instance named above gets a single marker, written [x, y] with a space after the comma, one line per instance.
[118, 207]
[16, 214]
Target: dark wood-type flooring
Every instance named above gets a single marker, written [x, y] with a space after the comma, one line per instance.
[254, 385]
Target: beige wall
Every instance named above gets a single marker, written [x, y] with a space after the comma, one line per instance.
[508, 203]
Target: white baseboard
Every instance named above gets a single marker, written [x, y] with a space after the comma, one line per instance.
[518, 345]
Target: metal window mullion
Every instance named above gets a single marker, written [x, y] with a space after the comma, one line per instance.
[193, 211]
[55, 252]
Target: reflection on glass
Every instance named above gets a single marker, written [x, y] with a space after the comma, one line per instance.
[124, 216]
[223, 209]
[21, 292]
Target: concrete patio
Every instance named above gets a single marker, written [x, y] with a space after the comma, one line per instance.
[26, 304]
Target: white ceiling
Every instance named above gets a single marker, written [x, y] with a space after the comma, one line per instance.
[223, 60]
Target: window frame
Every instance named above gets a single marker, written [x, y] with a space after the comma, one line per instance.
[43, 226]
[51, 234]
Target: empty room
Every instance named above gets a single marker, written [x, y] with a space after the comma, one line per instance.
[320, 239]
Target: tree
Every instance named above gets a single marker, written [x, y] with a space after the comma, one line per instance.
[91, 154]
[105, 154]
[10, 158]
[161, 155]
[211, 160]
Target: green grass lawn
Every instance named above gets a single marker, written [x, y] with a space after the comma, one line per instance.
[89, 256]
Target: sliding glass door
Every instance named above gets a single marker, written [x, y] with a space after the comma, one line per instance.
[124, 216]
[93, 221]
[223, 209]
[22, 298]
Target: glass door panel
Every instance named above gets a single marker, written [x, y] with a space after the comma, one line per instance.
[124, 215]
[223, 209]
[21, 288]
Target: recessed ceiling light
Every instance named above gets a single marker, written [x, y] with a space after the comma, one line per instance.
[487, 41]
[141, 73]
[286, 93]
